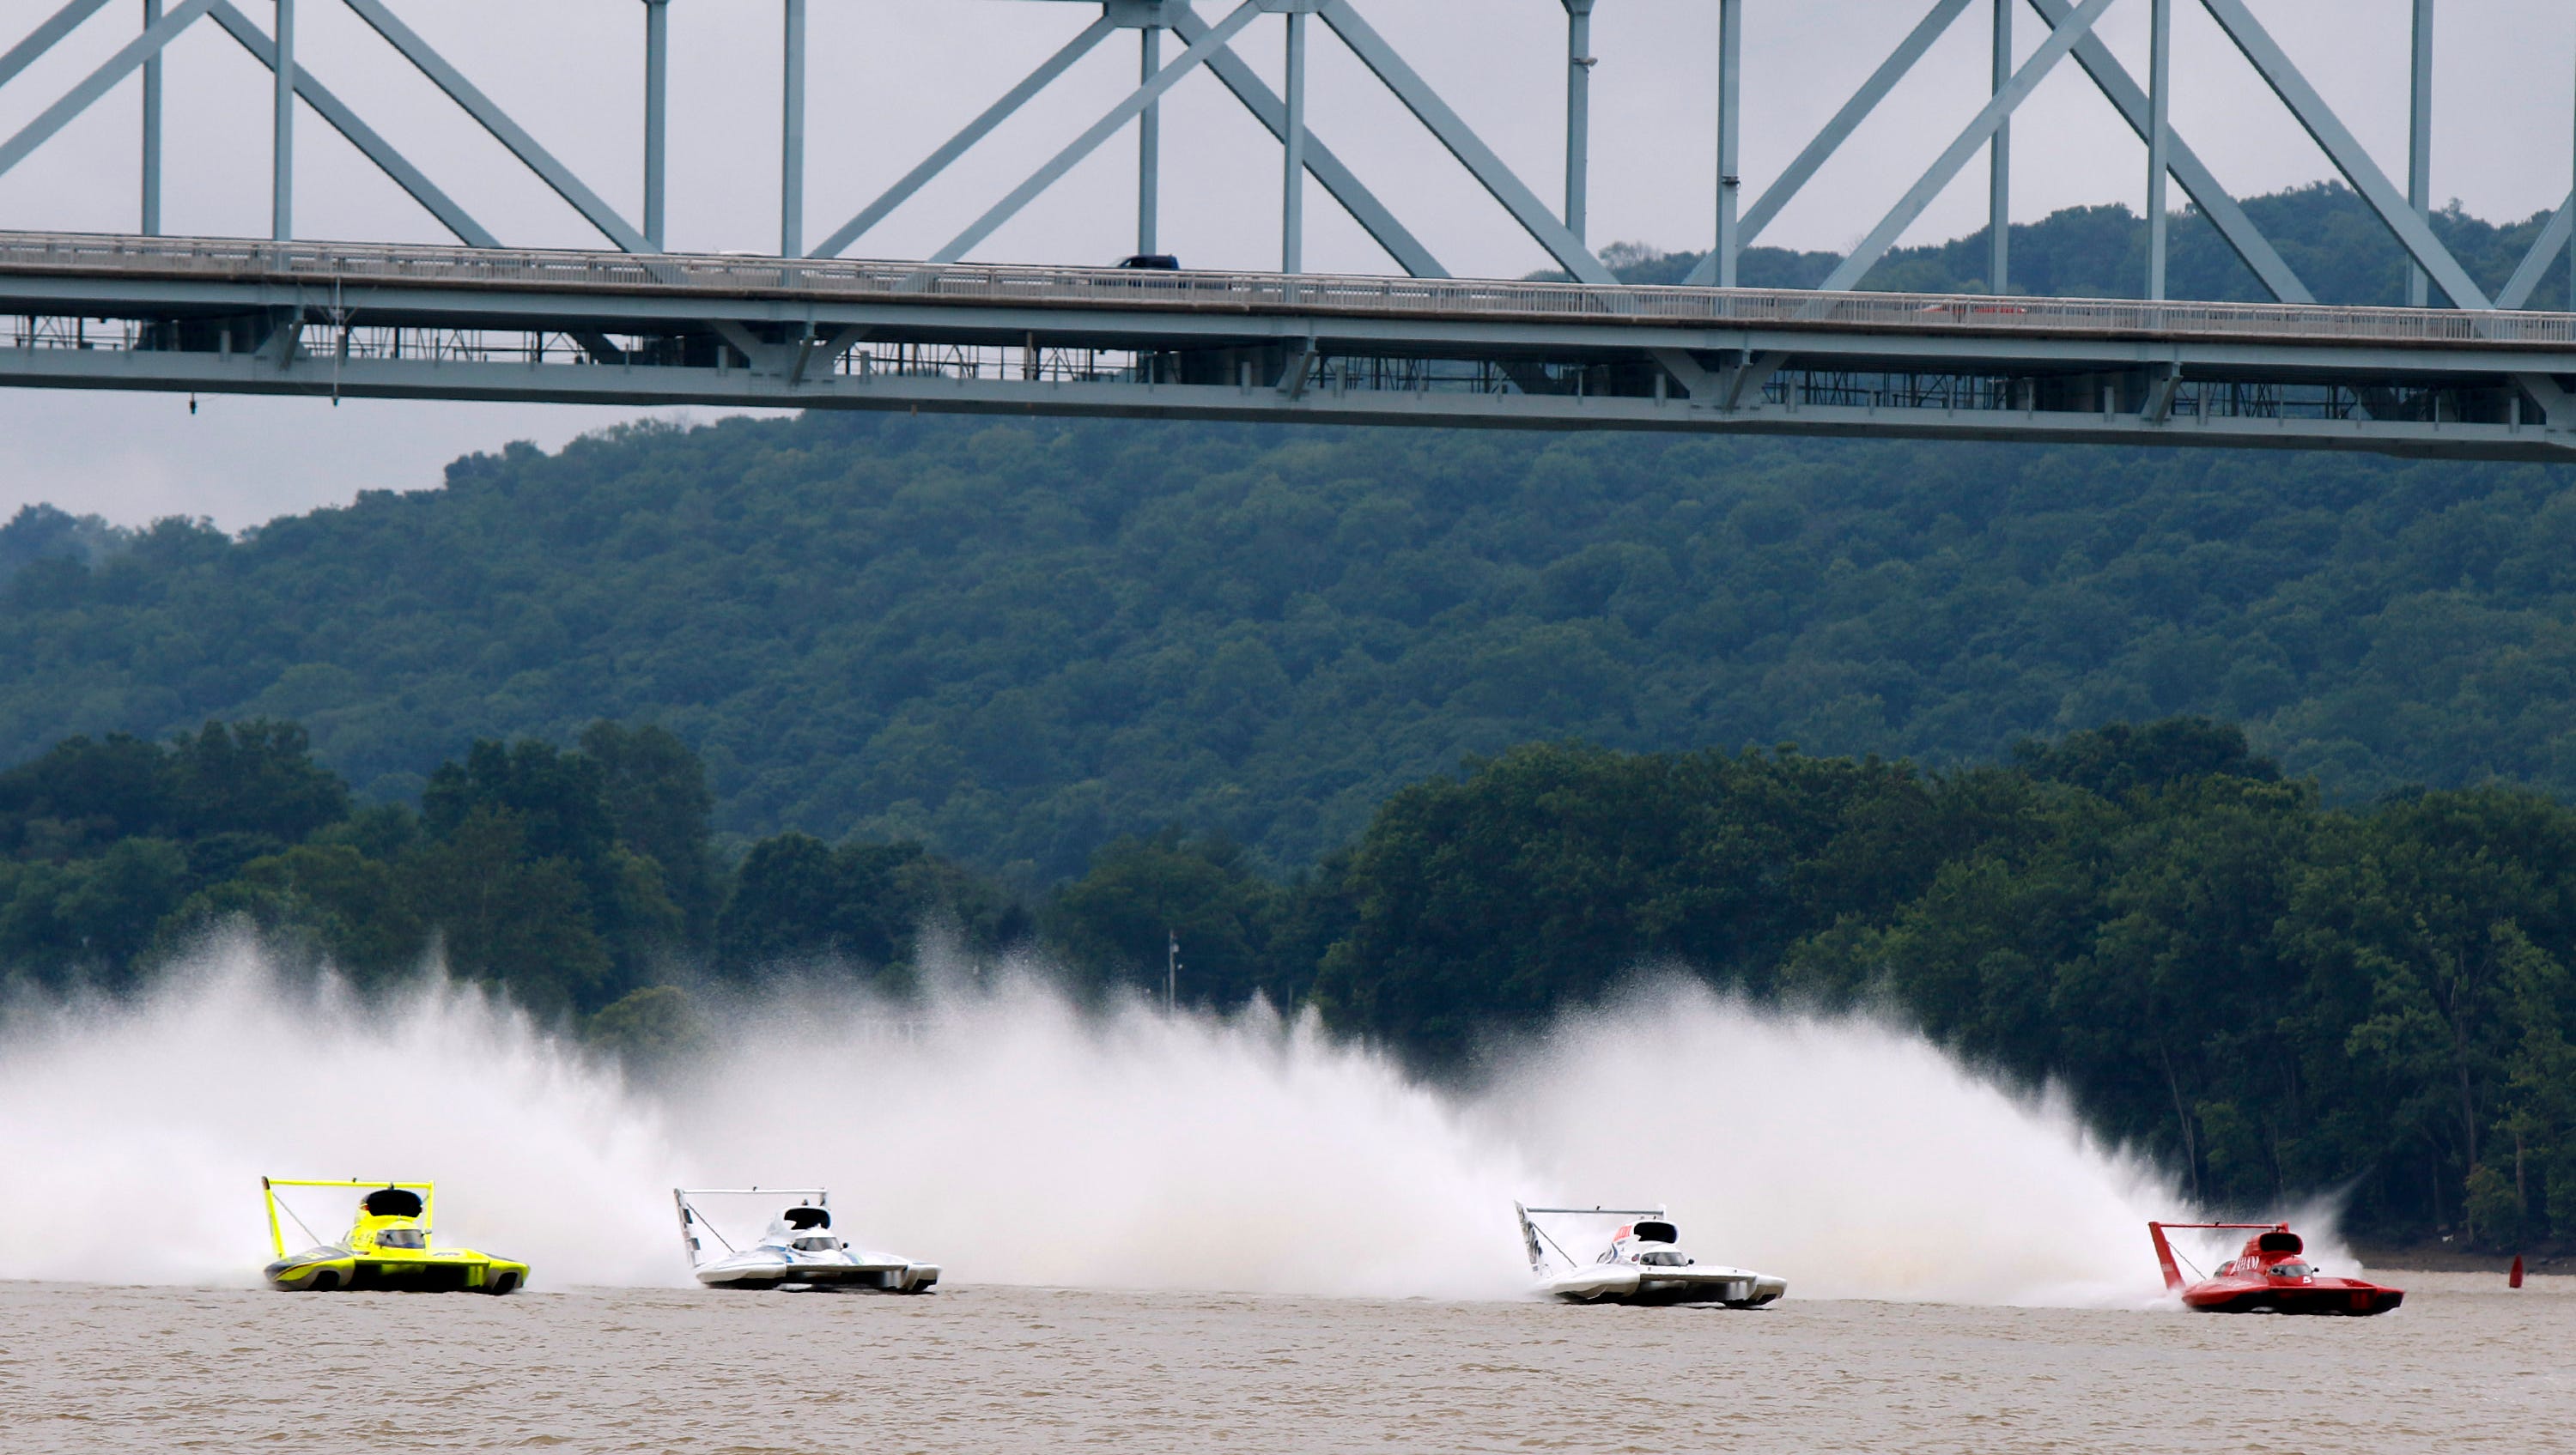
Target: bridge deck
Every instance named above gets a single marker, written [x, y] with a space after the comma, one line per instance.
[724, 276]
[371, 320]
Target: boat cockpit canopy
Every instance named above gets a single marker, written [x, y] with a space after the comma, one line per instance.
[391, 1202]
[1655, 1232]
[402, 1238]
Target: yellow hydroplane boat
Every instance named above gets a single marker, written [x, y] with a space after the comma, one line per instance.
[387, 1247]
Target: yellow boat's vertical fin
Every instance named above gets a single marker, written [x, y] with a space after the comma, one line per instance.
[276, 1239]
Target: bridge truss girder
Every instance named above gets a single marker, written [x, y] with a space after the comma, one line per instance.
[565, 327]
[1988, 368]
[2069, 28]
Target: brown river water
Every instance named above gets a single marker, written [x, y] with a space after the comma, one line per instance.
[2465, 1365]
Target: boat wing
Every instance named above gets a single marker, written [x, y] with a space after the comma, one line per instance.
[268, 1187]
[693, 1204]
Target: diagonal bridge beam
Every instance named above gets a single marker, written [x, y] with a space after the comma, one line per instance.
[2061, 41]
[155, 37]
[2345, 151]
[498, 122]
[376, 149]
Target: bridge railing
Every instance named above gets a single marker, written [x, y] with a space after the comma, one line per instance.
[363, 265]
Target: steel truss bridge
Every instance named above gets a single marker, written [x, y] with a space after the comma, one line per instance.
[2480, 378]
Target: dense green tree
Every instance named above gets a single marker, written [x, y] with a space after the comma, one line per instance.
[797, 902]
[1546, 875]
[508, 915]
[357, 912]
[658, 802]
[1118, 922]
[91, 917]
[649, 1029]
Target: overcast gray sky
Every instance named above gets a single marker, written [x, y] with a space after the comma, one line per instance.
[892, 78]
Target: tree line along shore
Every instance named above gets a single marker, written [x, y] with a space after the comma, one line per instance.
[2271, 994]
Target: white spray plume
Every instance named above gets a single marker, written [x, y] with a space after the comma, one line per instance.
[135, 1135]
[1017, 1138]
[1849, 1156]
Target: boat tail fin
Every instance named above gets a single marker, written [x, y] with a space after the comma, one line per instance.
[2165, 1257]
[1529, 1238]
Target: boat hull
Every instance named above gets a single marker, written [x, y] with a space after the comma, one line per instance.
[335, 1270]
[1627, 1284]
[845, 1277]
[2340, 1298]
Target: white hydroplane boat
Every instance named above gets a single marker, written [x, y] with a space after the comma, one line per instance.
[1643, 1263]
[798, 1250]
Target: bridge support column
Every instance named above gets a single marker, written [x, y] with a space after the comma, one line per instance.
[2159, 143]
[1292, 197]
[2419, 146]
[1149, 145]
[281, 206]
[1730, 139]
[152, 129]
[1999, 162]
[791, 141]
[657, 112]
[1578, 115]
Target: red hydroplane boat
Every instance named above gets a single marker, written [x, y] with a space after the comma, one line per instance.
[2272, 1276]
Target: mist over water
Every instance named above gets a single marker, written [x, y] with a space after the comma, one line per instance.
[135, 1135]
[1020, 1140]
[1015, 1138]
[1850, 1155]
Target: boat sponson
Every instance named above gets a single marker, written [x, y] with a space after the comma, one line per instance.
[327, 1270]
[2352, 1300]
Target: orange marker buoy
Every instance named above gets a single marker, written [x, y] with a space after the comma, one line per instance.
[2514, 1279]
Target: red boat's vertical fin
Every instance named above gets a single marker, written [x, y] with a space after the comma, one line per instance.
[2514, 1279]
[2165, 1257]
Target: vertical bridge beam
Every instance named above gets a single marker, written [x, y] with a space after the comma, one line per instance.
[2419, 145]
[281, 206]
[1730, 144]
[1149, 145]
[152, 129]
[791, 139]
[1292, 187]
[657, 118]
[1578, 115]
[2159, 143]
[1999, 162]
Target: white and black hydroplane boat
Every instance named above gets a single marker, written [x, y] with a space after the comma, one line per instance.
[798, 1250]
[1643, 1263]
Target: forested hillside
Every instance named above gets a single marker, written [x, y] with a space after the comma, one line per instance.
[1016, 641]
[2327, 235]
